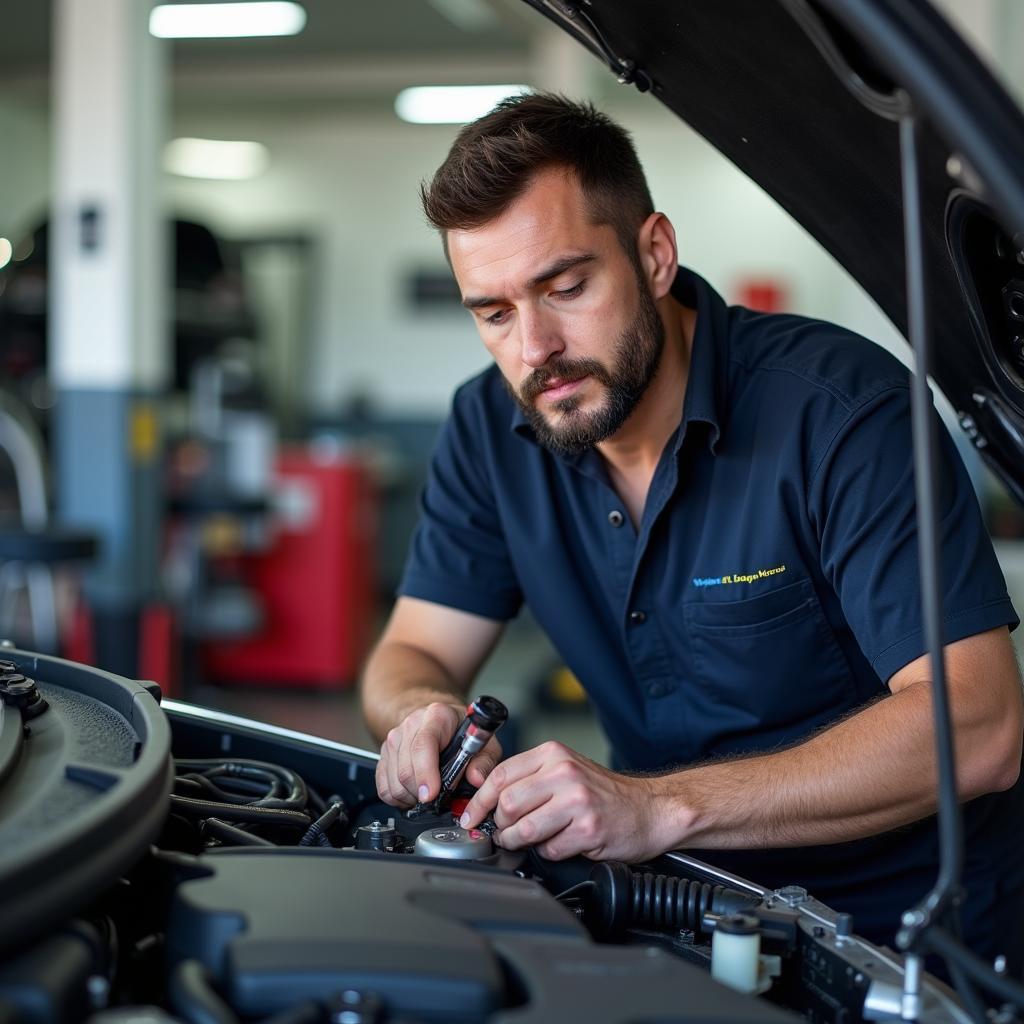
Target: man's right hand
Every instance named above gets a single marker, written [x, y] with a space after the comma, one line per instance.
[409, 768]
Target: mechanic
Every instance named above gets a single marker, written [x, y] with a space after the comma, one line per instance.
[711, 513]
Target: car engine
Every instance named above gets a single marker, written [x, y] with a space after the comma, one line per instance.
[166, 862]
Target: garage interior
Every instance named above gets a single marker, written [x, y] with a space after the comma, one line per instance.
[215, 433]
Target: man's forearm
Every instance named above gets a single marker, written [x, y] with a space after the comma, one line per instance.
[400, 678]
[869, 773]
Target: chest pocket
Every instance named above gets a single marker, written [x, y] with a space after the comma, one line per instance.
[768, 668]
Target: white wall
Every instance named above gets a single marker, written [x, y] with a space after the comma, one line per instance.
[24, 165]
[353, 182]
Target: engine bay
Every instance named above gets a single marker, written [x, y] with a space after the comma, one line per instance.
[169, 862]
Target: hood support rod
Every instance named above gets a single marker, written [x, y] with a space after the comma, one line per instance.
[934, 925]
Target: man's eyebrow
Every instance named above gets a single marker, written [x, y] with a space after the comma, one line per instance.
[560, 267]
[556, 268]
[479, 301]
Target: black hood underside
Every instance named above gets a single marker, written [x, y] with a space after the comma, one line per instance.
[805, 98]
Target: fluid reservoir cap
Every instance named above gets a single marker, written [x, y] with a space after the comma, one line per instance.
[454, 843]
[737, 924]
[792, 895]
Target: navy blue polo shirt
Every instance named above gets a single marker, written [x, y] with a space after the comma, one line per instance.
[771, 586]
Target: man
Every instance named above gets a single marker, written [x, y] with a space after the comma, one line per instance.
[711, 513]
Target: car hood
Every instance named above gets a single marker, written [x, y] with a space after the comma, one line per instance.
[804, 97]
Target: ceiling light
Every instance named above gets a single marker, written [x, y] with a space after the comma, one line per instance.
[230, 20]
[6, 251]
[451, 104]
[469, 15]
[211, 158]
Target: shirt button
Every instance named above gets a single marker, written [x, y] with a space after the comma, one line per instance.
[615, 517]
[657, 689]
[637, 617]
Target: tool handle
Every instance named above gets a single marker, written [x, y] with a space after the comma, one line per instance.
[486, 713]
[484, 717]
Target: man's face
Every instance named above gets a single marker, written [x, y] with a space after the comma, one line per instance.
[562, 308]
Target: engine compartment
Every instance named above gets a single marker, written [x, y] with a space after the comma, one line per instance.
[205, 868]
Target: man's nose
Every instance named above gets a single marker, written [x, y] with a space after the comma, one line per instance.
[540, 338]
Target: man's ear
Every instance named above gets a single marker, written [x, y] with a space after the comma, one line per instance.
[656, 244]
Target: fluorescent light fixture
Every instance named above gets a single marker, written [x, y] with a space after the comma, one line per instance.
[211, 158]
[451, 104]
[6, 252]
[227, 20]
[468, 15]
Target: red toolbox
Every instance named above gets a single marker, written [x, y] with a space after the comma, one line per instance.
[316, 581]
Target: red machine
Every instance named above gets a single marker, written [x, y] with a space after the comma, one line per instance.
[317, 580]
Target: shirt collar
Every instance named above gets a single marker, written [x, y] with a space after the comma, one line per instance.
[705, 386]
[703, 401]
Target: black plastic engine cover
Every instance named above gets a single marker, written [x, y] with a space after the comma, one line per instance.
[432, 940]
[278, 926]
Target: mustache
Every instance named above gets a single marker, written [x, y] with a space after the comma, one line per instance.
[561, 370]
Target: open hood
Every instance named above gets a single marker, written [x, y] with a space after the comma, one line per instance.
[804, 96]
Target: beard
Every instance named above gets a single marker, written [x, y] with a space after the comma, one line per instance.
[636, 356]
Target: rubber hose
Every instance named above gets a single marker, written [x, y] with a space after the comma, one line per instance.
[314, 799]
[205, 787]
[253, 793]
[269, 774]
[193, 998]
[623, 898]
[230, 834]
[253, 813]
[188, 785]
[253, 780]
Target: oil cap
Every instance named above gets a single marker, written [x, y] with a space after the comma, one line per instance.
[454, 843]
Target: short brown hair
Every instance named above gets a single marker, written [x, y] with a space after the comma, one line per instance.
[494, 159]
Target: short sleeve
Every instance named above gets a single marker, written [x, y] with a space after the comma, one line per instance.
[458, 556]
[861, 501]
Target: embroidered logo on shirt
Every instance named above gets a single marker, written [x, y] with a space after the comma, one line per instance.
[738, 577]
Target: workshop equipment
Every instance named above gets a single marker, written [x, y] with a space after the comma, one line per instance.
[316, 580]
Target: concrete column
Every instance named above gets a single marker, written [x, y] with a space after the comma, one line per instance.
[109, 331]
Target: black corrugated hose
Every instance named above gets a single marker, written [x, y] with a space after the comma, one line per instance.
[316, 834]
[251, 813]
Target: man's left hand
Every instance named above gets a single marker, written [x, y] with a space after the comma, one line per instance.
[564, 804]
